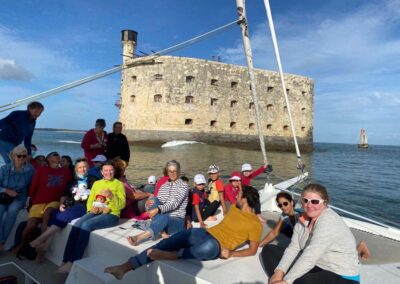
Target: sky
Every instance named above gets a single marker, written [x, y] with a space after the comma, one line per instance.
[351, 49]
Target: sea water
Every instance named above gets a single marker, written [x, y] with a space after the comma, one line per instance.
[364, 181]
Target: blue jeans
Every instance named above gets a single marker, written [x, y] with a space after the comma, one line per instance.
[79, 236]
[11, 211]
[195, 243]
[164, 222]
[5, 149]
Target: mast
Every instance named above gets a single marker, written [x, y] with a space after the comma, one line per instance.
[241, 9]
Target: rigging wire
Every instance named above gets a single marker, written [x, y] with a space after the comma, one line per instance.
[136, 62]
[300, 164]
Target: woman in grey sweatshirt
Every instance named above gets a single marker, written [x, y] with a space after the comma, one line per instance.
[322, 249]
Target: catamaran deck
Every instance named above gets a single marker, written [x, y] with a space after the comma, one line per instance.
[109, 247]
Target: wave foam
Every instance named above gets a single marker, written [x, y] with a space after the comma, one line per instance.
[175, 143]
[69, 141]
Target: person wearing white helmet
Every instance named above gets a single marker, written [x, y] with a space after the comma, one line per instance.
[203, 210]
[216, 187]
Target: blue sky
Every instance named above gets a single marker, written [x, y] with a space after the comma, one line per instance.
[350, 48]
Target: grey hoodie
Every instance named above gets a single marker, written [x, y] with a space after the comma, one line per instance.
[330, 246]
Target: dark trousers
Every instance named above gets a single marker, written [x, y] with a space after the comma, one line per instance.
[272, 254]
[208, 210]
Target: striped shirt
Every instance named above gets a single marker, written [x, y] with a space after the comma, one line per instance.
[173, 197]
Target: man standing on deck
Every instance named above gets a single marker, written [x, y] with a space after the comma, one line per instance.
[117, 144]
[18, 127]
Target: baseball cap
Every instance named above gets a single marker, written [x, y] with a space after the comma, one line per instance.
[235, 176]
[151, 180]
[246, 167]
[199, 179]
[99, 158]
[213, 169]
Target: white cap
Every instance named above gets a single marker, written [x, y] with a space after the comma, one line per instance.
[151, 180]
[246, 167]
[213, 169]
[199, 179]
[99, 158]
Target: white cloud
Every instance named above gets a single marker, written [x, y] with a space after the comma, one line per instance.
[10, 70]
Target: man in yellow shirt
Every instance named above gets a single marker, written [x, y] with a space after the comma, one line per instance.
[240, 225]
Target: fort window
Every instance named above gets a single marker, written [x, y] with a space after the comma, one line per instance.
[233, 104]
[189, 99]
[285, 127]
[303, 128]
[250, 87]
[303, 93]
[269, 126]
[251, 125]
[188, 121]
[214, 82]
[157, 98]
[213, 123]
[134, 78]
[270, 89]
[287, 91]
[251, 105]
[158, 77]
[285, 108]
[303, 109]
[270, 107]
[189, 79]
[214, 102]
[133, 97]
[233, 124]
[234, 85]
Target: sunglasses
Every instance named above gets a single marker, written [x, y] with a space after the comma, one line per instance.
[312, 201]
[283, 204]
[21, 156]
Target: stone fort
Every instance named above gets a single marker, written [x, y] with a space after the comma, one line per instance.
[179, 98]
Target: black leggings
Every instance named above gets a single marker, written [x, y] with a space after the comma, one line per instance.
[208, 210]
[272, 254]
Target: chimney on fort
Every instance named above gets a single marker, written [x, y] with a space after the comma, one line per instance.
[129, 41]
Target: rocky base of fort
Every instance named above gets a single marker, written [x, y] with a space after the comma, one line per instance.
[274, 143]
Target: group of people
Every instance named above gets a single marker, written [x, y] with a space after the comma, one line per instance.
[97, 193]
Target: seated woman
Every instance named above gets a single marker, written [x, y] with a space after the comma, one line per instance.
[239, 225]
[287, 220]
[327, 246]
[95, 219]
[15, 179]
[168, 210]
[69, 209]
[135, 199]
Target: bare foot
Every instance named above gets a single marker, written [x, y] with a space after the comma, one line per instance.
[133, 240]
[119, 270]
[164, 235]
[16, 249]
[65, 268]
[211, 218]
[40, 258]
[363, 250]
[35, 243]
[156, 254]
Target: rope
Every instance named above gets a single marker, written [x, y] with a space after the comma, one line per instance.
[136, 62]
[249, 59]
[278, 59]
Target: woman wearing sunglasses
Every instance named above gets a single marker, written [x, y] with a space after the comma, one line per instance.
[322, 249]
[14, 181]
[288, 219]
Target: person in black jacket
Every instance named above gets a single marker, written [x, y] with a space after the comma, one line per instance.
[117, 144]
